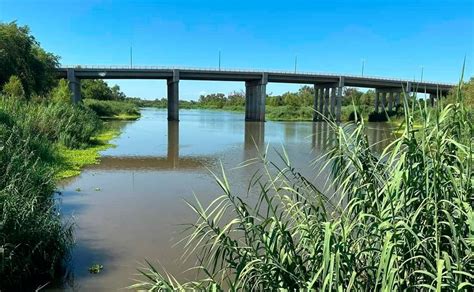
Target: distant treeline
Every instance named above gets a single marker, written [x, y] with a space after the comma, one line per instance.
[297, 105]
[303, 97]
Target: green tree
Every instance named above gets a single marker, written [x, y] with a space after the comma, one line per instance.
[14, 88]
[368, 98]
[117, 94]
[291, 99]
[21, 55]
[96, 89]
[61, 93]
[99, 89]
[352, 95]
[306, 95]
[236, 98]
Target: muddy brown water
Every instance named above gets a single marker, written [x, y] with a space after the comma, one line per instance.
[130, 206]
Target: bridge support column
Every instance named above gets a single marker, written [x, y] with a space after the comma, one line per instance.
[173, 97]
[407, 91]
[74, 85]
[432, 99]
[318, 103]
[255, 95]
[328, 100]
[390, 102]
[332, 111]
[339, 92]
[173, 144]
[384, 101]
[377, 100]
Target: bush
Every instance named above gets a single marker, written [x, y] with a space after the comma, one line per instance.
[33, 239]
[67, 124]
[108, 108]
[14, 88]
[61, 93]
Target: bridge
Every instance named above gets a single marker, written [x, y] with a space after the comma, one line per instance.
[328, 87]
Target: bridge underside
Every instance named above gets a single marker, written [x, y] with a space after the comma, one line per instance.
[327, 98]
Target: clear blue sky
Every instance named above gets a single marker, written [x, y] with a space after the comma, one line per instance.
[396, 38]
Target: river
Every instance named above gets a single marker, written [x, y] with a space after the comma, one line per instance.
[129, 207]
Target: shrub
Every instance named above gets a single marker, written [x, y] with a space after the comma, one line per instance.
[14, 88]
[33, 239]
[61, 93]
[70, 125]
[108, 108]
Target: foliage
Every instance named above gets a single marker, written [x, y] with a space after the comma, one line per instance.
[399, 220]
[61, 93]
[113, 109]
[99, 89]
[96, 268]
[33, 238]
[21, 55]
[13, 88]
[71, 161]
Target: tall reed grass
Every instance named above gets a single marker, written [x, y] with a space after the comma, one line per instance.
[398, 220]
[34, 239]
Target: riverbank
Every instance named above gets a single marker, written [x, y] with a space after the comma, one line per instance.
[113, 110]
[40, 143]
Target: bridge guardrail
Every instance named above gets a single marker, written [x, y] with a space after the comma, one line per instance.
[230, 70]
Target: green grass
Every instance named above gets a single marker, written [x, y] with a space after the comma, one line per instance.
[398, 220]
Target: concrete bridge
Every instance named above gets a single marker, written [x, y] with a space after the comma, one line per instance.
[328, 87]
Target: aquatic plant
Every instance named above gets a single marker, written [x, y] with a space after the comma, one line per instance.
[402, 219]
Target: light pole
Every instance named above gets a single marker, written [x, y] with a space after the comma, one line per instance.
[422, 69]
[131, 57]
[219, 60]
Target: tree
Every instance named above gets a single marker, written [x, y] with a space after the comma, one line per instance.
[291, 99]
[368, 98]
[352, 95]
[21, 55]
[306, 95]
[117, 94]
[236, 98]
[14, 88]
[99, 89]
[96, 89]
[61, 93]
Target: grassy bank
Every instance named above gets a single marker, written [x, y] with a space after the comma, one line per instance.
[39, 143]
[113, 110]
[402, 220]
[73, 160]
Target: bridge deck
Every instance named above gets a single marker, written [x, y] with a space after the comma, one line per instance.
[249, 75]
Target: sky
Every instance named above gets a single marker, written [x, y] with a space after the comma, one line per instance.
[399, 39]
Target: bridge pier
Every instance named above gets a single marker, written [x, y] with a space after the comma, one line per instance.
[255, 95]
[173, 144]
[74, 85]
[173, 97]
[389, 99]
[328, 100]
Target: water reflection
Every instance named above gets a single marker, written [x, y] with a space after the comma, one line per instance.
[130, 206]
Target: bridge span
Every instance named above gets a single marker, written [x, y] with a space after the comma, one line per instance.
[328, 87]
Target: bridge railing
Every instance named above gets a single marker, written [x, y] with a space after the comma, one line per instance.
[231, 70]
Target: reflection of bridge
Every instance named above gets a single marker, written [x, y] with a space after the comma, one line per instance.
[328, 88]
[254, 137]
